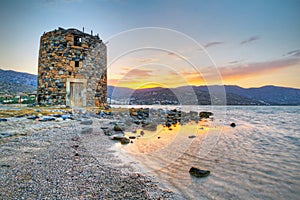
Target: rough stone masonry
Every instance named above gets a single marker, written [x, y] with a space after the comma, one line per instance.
[72, 69]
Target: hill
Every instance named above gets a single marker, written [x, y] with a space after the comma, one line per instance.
[272, 95]
[207, 95]
[12, 82]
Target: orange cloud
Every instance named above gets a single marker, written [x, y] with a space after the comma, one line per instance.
[137, 73]
[112, 81]
[154, 75]
[257, 68]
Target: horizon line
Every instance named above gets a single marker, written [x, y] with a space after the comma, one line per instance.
[267, 85]
[254, 87]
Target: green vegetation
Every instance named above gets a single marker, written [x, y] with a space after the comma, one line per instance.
[16, 100]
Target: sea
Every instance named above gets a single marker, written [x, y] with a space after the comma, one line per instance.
[257, 159]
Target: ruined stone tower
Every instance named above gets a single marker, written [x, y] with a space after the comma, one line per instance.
[72, 69]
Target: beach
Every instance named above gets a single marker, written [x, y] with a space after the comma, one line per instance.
[49, 160]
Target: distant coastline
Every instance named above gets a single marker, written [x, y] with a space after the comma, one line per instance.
[12, 82]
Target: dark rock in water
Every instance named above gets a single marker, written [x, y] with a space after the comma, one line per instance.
[3, 120]
[137, 122]
[104, 127]
[124, 140]
[86, 130]
[139, 113]
[107, 132]
[173, 117]
[198, 172]
[57, 115]
[168, 124]
[87, 122]
[192, 136]
[117, 137]
[150, 127]
[117, 128]
[132, 137]
[233, 125]
[121, 138]
[205, 114]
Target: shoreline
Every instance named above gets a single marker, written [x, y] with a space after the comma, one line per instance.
[57, 160]
[73, 158]
[86, 139]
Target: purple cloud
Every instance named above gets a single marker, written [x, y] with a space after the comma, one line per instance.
[293, 53]
[249, 40]
[210, 44]
[256, 68]
[235, 61]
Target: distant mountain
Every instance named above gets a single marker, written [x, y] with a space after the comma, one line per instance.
[12, 82]
[272, 95]
[207, 95]
[119, 92]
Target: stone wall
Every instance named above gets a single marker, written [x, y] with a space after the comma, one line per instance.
[72, 69]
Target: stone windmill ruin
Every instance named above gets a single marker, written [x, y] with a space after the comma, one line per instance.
[72, 69]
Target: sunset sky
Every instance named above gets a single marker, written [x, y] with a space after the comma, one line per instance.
[167, 43]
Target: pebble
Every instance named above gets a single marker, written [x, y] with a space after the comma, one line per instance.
[86, 130]
[87, 122]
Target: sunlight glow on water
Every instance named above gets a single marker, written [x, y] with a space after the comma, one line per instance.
[154, 141]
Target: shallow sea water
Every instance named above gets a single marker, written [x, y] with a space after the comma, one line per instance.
[258, 159]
